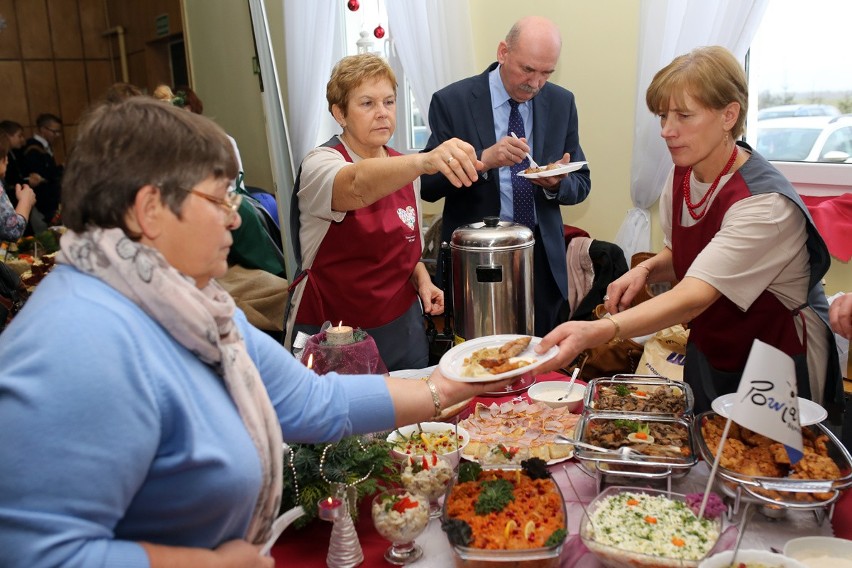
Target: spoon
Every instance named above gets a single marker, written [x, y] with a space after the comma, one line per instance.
[574, 376]
[623, 451]
[533, 163]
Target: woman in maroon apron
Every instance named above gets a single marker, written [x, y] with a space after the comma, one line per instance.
[738, 238]
[355, 220]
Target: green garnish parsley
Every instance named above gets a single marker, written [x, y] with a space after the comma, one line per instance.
[621, 390]
[494, 496]
[556, 538]
[469, 471]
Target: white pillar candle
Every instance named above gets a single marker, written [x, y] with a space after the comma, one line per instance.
[340, 335]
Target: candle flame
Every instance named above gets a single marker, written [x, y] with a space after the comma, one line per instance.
[311, 361]
[340, 324]
[330, 502]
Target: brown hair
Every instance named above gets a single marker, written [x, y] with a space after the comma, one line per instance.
[710, 75]
[191, 101]
[350, 72]
[10, 127]
[119, 91]
[5, 146]
[122, 147]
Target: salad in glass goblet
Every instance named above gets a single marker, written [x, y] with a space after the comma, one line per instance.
[429, 476]
[400, 517]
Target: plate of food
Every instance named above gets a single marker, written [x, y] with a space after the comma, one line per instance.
[493, 358]
[509, 433]
[554, 169]
[809, 411]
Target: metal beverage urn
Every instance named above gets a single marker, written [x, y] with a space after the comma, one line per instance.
[492, 273]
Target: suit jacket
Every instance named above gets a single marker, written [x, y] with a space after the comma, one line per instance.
[463, 110]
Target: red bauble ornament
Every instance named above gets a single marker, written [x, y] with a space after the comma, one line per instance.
[379, 32]
[353, 5]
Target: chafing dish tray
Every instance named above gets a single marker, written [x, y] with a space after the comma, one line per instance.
[754, 464]
[666, 444]
[639, 394]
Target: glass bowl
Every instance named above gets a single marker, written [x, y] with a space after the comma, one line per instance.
[428, 476]
[400, 517]
[629, 527]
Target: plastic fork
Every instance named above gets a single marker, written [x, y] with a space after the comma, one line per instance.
[533, 163]
[624, 451]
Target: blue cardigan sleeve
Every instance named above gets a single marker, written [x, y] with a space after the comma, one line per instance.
[314, 408]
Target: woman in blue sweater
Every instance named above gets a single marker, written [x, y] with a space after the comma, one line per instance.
[141, 417]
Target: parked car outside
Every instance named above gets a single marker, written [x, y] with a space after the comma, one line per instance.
[806, 139]
[797, 110]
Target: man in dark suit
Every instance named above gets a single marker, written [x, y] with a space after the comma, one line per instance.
[484, 110]
[38, 159]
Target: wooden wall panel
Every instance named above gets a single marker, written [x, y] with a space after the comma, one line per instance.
[100, 76]
[65, 29]
[93, 23]
[41, 89]
[10, 48]
[13, 95]
[139, 72]
[34, 27]
[74, 92]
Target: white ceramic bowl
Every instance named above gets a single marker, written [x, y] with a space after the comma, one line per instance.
[452, 455]
[763, 557]
[549, 392]
[806, 547]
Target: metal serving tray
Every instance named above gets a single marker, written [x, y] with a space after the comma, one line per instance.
[600, 464]
[645, 382]
[734, 484]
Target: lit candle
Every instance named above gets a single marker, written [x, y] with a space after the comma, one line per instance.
[310, 361]
[340, 335]
[330, 509]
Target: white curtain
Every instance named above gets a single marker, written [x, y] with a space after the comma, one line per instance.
[433, 39]
[670, 28]
[313, 44]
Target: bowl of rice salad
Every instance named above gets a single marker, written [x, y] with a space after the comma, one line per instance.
[630, 527]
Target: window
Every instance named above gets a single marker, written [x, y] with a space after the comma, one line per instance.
[412, 132]
[801, 93]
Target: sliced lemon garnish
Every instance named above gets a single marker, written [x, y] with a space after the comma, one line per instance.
[529, 528]
[510, 526]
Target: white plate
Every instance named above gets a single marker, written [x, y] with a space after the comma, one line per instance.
[549, 462]
[453, 360]
[413, 373]
[809, 411]
[564, 169]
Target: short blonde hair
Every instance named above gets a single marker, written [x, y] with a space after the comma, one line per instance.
[350, 72]
[710, 75]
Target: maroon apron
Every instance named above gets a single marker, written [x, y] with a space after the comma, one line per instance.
[721, 337]
[361, 272]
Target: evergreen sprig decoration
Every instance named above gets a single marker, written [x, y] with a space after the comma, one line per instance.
[345, 462]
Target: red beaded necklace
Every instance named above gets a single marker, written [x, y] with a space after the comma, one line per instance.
[693, 207]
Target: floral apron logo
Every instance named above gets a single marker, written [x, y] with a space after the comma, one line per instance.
[407, 216]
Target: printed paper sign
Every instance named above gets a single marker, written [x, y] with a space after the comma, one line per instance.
[766, 400]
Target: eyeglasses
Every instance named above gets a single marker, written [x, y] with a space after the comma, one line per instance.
[231, 203]
[55, 131]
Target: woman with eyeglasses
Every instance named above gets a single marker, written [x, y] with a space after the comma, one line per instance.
[356, 218]
[141, 416]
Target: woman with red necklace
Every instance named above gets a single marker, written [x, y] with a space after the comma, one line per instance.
[737, 238]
